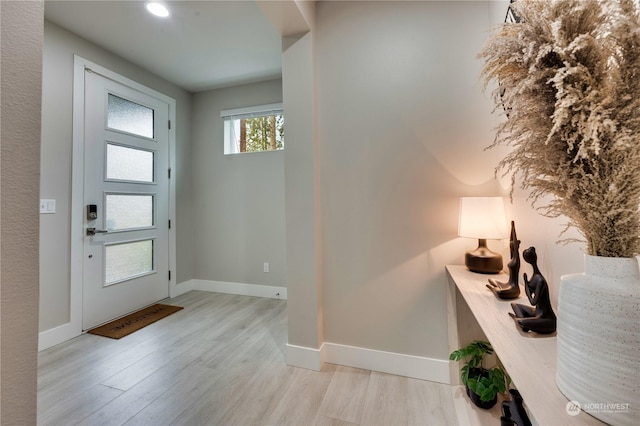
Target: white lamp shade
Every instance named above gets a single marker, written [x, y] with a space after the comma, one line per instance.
[482, 218]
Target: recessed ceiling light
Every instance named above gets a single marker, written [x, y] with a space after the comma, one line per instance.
[157, 9]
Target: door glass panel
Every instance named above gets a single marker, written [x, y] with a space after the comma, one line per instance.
[129, 117]
[126, 211]
[128, 260]
[129, 164]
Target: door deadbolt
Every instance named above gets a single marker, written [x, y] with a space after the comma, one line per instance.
[92, 212]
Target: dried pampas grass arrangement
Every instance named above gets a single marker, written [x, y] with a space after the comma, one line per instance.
[568, 77]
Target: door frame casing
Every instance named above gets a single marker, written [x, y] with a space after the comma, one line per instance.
[74, 327]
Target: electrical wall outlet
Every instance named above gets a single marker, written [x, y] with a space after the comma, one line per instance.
[265, 267]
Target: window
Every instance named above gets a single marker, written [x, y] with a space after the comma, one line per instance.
[253, 129]
[129, 164]
[129, 117]
[125, 261]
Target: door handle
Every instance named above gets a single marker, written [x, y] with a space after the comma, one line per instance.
[94, 231]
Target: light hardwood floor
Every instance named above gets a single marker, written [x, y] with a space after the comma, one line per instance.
[221, 361]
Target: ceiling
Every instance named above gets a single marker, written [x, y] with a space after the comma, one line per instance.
[203, 44]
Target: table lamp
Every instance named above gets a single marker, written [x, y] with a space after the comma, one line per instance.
[483, 218]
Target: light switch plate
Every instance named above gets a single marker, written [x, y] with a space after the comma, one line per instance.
[47, 206]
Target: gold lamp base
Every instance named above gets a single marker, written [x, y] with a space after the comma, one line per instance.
[483, 260]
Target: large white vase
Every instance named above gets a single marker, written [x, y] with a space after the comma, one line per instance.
[599, 339]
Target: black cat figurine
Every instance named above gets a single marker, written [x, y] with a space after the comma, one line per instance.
[540, 317]
[509, 289]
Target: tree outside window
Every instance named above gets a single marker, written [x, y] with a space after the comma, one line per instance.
[253, 129]
[264, 133]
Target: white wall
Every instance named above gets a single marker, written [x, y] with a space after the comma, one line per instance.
[21, 82]
[238, 199]
[402, 126]
[59, 48]
[303, 210]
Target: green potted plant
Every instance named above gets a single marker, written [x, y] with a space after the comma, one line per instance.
[483, 384]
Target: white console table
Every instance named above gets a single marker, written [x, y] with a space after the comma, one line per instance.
[474, 312]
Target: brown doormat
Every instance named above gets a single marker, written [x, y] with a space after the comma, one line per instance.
[135, 321]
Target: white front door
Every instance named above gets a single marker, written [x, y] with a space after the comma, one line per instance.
[126, 200]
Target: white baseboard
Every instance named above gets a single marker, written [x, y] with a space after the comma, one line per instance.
[180, 288]
[241, 289]
[56, 335]
[303, 357]
[434, 370]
